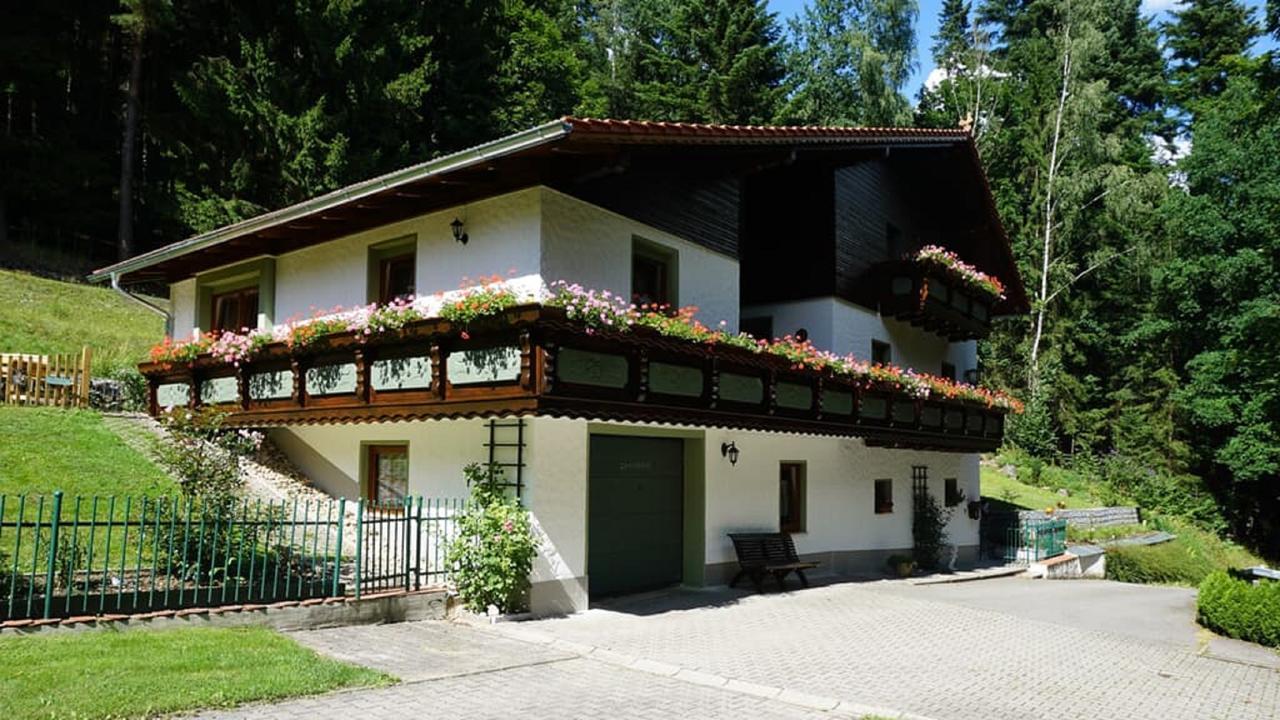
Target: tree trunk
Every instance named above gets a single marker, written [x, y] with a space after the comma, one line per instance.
[1042, 296]
[124, 244]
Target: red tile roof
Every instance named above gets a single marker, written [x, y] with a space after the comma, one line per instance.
[639, 130]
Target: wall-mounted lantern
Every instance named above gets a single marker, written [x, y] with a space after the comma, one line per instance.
[729, 450]
[458, 233]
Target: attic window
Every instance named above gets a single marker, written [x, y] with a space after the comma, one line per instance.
[392, 269]
[881, 352]
[235, 310]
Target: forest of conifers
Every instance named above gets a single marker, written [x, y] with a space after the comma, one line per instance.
[1135, 162]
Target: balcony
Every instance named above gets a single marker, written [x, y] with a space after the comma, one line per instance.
[933, 300]
[533, 360]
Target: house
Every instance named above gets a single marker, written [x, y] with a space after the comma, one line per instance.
[636, 452]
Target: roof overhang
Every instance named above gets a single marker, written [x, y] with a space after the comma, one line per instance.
[567, 148]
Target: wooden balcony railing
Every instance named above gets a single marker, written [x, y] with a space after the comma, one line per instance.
[931, 300]
[532, 360]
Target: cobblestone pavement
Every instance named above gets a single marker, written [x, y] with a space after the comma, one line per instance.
[876, 645]
[459, 673]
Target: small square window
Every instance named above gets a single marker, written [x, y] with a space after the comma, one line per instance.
[954, 495]
[653, 274]
[881, 352]
[948, 371]
[760, 328]
[791, 497]
[884, 497]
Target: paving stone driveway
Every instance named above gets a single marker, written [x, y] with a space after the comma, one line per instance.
[877, 645]
[460, 673]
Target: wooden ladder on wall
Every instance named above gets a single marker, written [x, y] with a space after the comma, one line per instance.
[506, 451]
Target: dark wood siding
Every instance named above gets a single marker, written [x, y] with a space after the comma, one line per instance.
[869, 196]
[701, 210]
[787, 251]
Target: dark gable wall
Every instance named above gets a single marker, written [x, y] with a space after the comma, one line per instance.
[787, 251]
[704, 210]
[869, 196]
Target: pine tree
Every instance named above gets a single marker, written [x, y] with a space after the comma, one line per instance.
[849, 60]
[1203, 40]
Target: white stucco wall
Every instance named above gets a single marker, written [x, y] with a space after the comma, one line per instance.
[503, 235]
[839, 479]
[530, 236]
[844, 328]
[587, 244]
[182, 302]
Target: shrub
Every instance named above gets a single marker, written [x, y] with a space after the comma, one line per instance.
[1165, 564]
[928, 530]
[1240, 609]
[493, 553]
[203, 455]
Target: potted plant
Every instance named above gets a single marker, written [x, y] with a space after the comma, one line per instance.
[902, 565]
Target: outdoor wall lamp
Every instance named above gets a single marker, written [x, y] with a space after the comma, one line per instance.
[729, 450]
[458, 234]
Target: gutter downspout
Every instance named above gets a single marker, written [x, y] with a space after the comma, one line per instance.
[168, 319]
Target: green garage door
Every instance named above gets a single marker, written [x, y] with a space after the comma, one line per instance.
[635, 520]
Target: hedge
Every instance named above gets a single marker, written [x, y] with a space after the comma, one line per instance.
[1240, 609]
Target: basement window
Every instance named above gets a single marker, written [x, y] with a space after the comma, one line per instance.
[388, 474]
[791, 497]
[884, 497]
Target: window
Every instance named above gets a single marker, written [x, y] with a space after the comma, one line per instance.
[388, 468]
[234, 310]
[758, 327]
[893, 247]
[395, 278]
[791, 497]
[653, 274]
[884, 496]
[972, 376]
[954, 495]
[392, 269]
[881, 352]
[948, 371]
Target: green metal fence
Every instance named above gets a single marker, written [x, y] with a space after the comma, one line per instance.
[1035, 540]
[61, 557]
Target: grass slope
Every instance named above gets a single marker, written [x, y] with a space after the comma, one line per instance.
[48, 449]
[101, 674]
[998, 486]
[49, 316]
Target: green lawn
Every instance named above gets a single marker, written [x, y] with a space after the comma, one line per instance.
[111, 674]
[48, 449]
[998, 486]
[49, 316]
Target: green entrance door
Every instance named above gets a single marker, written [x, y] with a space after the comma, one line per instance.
[635, 517]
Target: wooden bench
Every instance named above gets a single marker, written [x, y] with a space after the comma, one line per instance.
[761, 554]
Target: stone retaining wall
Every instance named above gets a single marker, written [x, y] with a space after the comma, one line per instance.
[1087, 517]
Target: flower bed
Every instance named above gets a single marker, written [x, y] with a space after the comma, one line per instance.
[948, 262]
[596, 311]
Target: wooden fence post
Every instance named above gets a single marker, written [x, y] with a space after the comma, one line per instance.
[86, 363]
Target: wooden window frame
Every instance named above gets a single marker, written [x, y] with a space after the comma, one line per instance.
[795, 485]
[384, 275]
[953, 495]
[883, 507]
[667, 258]
[371, 452]
[240, 293]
